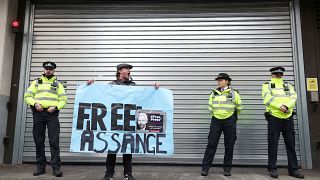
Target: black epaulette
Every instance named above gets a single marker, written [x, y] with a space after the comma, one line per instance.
[39, 80]
[215, 92]
[235, 90]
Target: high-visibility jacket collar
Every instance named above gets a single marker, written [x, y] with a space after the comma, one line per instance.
[277, 80]
[223, 89]
[218, 91]
[44, 78]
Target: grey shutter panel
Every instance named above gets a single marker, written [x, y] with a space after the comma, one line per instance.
[182, 46]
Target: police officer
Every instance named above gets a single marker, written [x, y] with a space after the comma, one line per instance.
[280, 98]
[123, 78]
[225, 105]
[46, 96]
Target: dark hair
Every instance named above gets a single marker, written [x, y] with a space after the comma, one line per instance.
[118, 74]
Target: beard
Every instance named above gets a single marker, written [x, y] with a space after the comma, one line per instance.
[48, 75]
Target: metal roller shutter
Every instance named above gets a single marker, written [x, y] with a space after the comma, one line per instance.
[183, 46]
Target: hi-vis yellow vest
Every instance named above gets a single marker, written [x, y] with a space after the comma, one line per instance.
[277, 93]
[224, 104]
[47, 92]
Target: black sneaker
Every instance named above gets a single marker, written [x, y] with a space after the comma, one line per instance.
[39, 171]
[128, 176]
[108, 176]
[273, 173]
[57, 172]
[204, 173]
[296, 174]
[227, 173]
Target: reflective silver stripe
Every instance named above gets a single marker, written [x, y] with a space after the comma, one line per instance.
[46, 98]
[49, 91]
[222, 102]
[265, 94]
[270, 89]
[270, 100]
[281, 95]
[64, 94]
[29, 92]
[232, 95]
[223, 108]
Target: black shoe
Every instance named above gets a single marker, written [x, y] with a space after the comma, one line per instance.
[273, 173]
[108, 176]
[39, 171]
[296, 174]
[128, 176]
[57, 172]
[227, 173]
[204, 173]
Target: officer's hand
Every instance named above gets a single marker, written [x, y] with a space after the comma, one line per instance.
[89, 82]
[51, 109]
[38, 107]
[156, 85]
[284, 108]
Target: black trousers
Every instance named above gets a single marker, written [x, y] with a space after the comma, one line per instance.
[229, 129]
[275, 127]
[111, 163]
[41, 121]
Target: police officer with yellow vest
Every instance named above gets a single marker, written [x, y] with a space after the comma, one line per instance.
[280, 99]
[46, 96]
[225, 106]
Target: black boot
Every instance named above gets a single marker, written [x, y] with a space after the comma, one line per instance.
[204, 173]
[108, 176]
[57, 172]
[273, 173]
[39, 171]
[296, 174]
[128, 176]
[227, 172]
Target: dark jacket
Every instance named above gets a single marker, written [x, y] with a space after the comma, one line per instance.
[126, 83]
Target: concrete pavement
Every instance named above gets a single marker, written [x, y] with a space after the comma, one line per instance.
[145, 172]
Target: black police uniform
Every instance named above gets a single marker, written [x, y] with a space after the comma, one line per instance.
[228, 127]
[41, 121]
[286, 127]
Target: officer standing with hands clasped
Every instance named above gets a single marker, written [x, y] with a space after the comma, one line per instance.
[46, 96]
[225, 105]
[123, 78]
[280, 98]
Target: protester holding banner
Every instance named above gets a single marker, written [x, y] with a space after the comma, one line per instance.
[225, 105]
[46, 96]
[122, 78]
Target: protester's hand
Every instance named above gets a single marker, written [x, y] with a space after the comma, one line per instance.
[89, 82]
[284, 108]
[156, 85]
[51, 109]
[38, 107]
